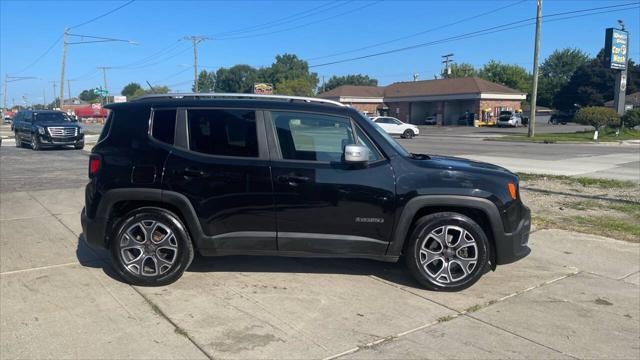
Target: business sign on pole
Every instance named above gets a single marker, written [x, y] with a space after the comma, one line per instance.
[616, 49]
[263, 89]
[119, 99]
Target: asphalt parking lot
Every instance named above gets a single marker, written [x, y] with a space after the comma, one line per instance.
[575, 296]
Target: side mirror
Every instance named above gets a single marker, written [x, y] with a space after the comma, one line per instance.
[356, 154]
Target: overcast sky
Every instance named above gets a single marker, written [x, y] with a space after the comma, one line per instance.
[253, 32]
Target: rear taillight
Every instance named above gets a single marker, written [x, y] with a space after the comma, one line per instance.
[95, 163]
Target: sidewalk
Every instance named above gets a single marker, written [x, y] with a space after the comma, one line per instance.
[576, 295]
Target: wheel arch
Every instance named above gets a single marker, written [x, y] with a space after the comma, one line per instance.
[482, 211]
[118, 202]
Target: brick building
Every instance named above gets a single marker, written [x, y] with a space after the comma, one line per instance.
[449, 100]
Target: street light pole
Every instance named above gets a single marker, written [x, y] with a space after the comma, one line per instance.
[534, 89]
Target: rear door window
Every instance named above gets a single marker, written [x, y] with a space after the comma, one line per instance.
[164, 125]
[224, 132]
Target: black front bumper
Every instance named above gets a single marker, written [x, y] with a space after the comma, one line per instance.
[47, 140]
[93, 230]
[513, 246]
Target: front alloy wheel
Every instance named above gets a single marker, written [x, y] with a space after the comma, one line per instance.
[151, 247]
[447, 251]
[448, 254]
[35, 142]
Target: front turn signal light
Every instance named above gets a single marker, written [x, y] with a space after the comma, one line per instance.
[512, 190]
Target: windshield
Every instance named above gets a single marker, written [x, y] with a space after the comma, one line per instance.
[505, 113]
[388, 138]
[51, 118]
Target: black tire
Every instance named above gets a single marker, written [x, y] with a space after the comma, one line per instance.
[79, 146]
[18, 141]
[35, 142]
[432, 223]
[182, 258]
[408, 134]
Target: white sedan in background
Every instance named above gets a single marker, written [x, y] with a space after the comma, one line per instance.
[394, 126]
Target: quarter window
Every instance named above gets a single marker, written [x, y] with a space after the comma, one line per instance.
[223, 132]
[363, 139]
[311, 136]
[164, 125]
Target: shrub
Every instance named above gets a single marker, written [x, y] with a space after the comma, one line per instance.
[631, 118]
[597, 117]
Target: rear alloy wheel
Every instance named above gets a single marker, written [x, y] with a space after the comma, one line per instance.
[151, 247]
[448, 252]
[408, 134]
[35, 143]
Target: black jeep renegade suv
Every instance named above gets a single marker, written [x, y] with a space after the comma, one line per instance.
[228, 174]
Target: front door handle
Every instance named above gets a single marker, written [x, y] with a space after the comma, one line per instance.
[293, 179]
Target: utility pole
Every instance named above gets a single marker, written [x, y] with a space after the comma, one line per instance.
[447, 65]
[104, 77]
[54, 94]
[64, 60]
[44, 99]
[534, 89]
[5, 92]
[69, 88]
[194, 41]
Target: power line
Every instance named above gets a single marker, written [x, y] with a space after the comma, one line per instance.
[486, 31]
[418, 33]
[301, 25]
[41, 56]
[103, 15]
[309, 12]
[153, 58]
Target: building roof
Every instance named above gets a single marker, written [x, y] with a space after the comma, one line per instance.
[629, 99]
[355, 91]
[452, 86]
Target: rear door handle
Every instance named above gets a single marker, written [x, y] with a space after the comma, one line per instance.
[191, 172]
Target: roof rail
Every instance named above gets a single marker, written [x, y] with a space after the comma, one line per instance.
[238, 96]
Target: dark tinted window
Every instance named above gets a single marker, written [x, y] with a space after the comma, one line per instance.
[107, 126]
[164, 125]
[53, 117]
[223, 132]
[312, 136]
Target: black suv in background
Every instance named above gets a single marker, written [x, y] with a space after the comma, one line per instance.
[229, 174]
[40, 128]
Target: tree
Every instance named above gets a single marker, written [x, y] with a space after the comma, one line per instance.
[236, 79]
[556, 71]
[206, 82]
[297, 87]
[289, 67]
[631, 118]
[130, 89]
[89, 96]
[597, 117]
[460, 70]
[592, 84]
[357, 79]
[154, 90]
[513, 76]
